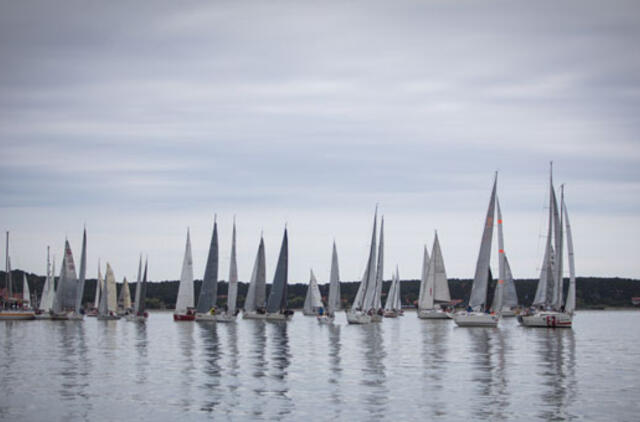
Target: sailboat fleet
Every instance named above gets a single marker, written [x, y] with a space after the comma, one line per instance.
[61, 299]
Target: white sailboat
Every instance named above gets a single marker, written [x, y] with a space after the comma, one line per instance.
[477, 314]
[313, 299]
[184, 303]
[48, 292]
[206, 307]
[108, 307]
[376, 309]
[550, 310]
[229, 314]
[96, 301]
[277, 307]
[26, 293]
[434, 291]
[333, 301]
[361, 308]
[124, 299]
[254, 303]
[139, 306]
[65, 304]
[392, 306]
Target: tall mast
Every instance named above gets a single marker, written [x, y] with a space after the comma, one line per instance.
[8, 268]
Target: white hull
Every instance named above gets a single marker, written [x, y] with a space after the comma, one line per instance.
[432, 314]
[44, 315]
[476, 319]
[508, 314]
[209, 317]
[278, 317]
[224, 317]
[547, 320]
[324, 319]
[376, 317]
[358, 318]
[390, 314]
[253, 315]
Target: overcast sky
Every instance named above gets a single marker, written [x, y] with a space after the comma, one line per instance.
[141, 119]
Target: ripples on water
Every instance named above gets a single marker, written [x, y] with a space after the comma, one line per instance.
[400, 369]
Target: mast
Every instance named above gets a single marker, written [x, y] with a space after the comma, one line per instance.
[479, 288]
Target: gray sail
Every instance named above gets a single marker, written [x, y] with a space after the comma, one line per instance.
[83, 272]
[377, 298]
[498, 293]
[479, 289]
[258, 273]
[556, 302]
[67, 284]
[7, 274]
[389, 304]
[509, 294]
[232, 291]
[277, 301]
[136, 298]
[368, 277]
[209, 291]
[103, 307]
[546, 282]
[142, 306]
[423, 279]
[570, 304]
[333, 304]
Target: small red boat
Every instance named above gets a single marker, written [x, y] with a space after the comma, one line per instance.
[184, 317]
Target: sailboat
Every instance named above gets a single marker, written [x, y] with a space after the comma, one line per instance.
[139, 307]
[229, 314]
[376, 306]
[206, 307]
[26, 293]
[66, 302]
[333, 301]
[277, 308]
[254, 303]
[392, 306]
[475, 316]
[107, 309]
[184, 303]
[48, 292]
[11, 308]
[551, 312]
[130, 316]
[434, 290]
[361, 308]
[96, 301]
[124, 299]
[313, 300]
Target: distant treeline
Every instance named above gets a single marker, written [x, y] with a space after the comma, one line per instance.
[591, 292]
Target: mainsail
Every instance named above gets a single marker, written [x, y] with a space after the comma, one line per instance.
[26, 294]
[83, 272]
[313, 298]
[48, 290]
[125, 295]
[436, 286]
[110, 290]
[185, 289]
[377, 298]
[257, 284]
[232, 291]
[209, 291]
[478, 298]
[497, 302]
[103, 306]
[136, 297]
[368, 278]
[570, 304]
[278, 296]
[140, 303]
[390, 303]
[333, 303]
[99, 287]
[423, 278]
[65, 299]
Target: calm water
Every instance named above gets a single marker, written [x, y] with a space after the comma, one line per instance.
[404, 368]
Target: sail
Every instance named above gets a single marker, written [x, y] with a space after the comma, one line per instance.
[232, 291]
[397, 304]
[479, 288]
[440, 282]
[26, 294]
[258, 273]
[377, 298]
[110, 282]
[556, 302]
[390, 302]
[83, 272]
[7, 275]
[103, 307]
[546, 282]
[278, 296]
[209, 291]
[570, 304]
[313, 299]
[368, 278]
[44, 305]
[99, 283]
[498, 293]
[509, 294]
[126, 294]
[185, 289]
[143, 292]
[136, 298]
[333, 303]
[67, 285]
[423, 278]
[51, 292]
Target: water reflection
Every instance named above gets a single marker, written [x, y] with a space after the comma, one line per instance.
[434, 357]
[212, 354]
[186, 344]
[374, 377]
[483, 371]
[258, 341]
[74, 369]
[335, 370]
[281, 358]
[556, 350]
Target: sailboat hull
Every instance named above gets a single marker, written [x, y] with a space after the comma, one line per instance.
[184, 317]
[432, 314]
[253, 315]
[358, 318]
[135, 318]
[390, 314]
[476, 319]
[16, 315]
[546, 320]
[277, 316]
[44, 315]
[69, 316]
[225, 317]
[209, 317]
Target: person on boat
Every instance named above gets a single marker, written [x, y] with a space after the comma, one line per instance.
[260, 310]
[212, 311]
[469, 308]
[320, 311]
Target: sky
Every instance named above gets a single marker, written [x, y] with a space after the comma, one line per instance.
[142, 119]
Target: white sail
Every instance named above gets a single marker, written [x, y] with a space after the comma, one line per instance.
[125, 295]
[44, 304]
[570, 304]
[423, 278]
[51, 293]
[397, 304]
[369, 276]
[313, 299]
[232, 292]
[185, 289]
[547, 284]
[377, 298]
[390, 304]
[110, 289]
[83, 273]
[497, 302]
[258, 278]
[333, 304]
[26, 293]
[136, 298]
[436, 285]
[65, 299]
[103, 305]
[99, 287]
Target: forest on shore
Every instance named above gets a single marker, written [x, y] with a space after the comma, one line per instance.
[591, 292]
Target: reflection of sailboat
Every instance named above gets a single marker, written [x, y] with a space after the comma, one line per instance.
[206, 308]
[313, 299]
[333, 301]
[212, 368]
[551, 310]
[255, 300]
[277, 308]
[374, 384]
[184, 303]
[229, 314]
[478, 302]
[434, 289]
